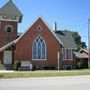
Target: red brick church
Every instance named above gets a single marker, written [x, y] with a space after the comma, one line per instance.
[38, 45]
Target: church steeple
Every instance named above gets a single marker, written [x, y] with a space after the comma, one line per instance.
[10, 11]
[10, 16]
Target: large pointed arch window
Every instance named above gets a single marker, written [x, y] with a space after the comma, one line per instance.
[39, 49]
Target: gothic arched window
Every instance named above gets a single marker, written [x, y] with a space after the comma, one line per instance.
[39, 49]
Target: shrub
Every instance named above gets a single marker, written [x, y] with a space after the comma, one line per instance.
[79, 65]
[16, 65]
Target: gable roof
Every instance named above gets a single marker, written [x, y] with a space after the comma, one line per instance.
[83, 53]
[22, 34]
[84, 50]
[47, 27]
[63, 37]
[66, 38]
[7, 45]
[10, 9]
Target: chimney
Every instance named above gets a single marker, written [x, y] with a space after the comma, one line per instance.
[55, 27]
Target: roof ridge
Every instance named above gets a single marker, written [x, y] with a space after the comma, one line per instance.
[11, 9]
[45, 24]
[8, 4]
[7, 45]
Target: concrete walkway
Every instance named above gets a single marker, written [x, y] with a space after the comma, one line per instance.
[6, 71]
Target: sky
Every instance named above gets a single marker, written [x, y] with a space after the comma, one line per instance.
[69, 14]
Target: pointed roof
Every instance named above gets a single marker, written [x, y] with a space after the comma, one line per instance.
[63, 37]
[47, 27]
[15, 41]
[83, 53]
[10, 9]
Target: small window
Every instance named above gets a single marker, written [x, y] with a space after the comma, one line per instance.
[12, 17]
[70, 66]
[9, 29]
[64, 67]
[39, 27]
[5, 16]
[70, 54]
[64, 56]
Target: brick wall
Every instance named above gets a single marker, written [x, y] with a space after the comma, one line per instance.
[7, 37]
[24, 45]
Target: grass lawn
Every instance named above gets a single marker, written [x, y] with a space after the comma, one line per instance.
[44, 73]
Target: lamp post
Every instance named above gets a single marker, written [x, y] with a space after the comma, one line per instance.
[58, 57]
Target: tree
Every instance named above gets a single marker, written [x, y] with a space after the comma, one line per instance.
[77, 39]
[83, 45]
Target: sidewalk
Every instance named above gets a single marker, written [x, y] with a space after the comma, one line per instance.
[6, 71]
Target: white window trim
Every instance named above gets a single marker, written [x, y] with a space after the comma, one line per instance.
[9, 26]
[39, 26]
[37, 51]
[9, 19]
[64, 59]
[39, 59]
[71, 58]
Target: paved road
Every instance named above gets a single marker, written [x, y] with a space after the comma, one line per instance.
[55, 83]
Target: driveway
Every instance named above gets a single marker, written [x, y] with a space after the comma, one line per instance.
[54, 83]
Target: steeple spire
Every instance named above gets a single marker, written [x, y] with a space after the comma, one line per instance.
[10, 9]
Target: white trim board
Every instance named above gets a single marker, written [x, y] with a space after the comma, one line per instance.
[46, 25]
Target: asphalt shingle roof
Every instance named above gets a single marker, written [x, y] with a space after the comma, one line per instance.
[81, 55]
[66, 38]
[10, 9]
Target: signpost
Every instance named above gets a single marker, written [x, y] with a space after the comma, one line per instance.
[58, 57]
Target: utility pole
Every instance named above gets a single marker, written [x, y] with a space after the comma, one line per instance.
[89, 43]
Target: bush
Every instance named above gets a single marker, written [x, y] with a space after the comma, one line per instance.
[79, 65]
[16, 65]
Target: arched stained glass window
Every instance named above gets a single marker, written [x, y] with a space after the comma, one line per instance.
[39, 49]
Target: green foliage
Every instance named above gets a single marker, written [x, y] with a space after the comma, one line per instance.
[83, 45]
[77, 39]
[79, 65]
[45, 73]
[16, 65]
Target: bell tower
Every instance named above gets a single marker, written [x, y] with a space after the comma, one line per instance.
[10, 16]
